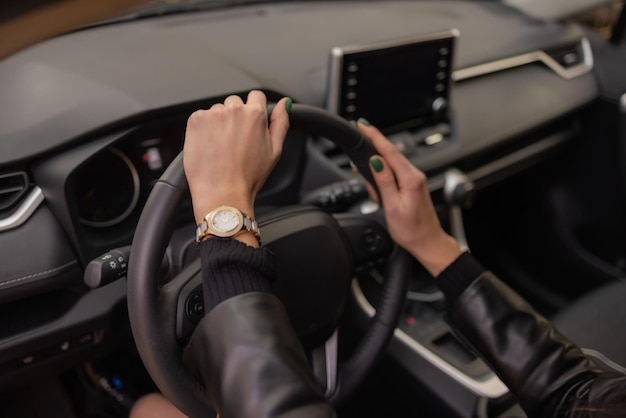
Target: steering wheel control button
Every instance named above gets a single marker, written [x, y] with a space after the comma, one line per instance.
[372, 240]
[195, 307]
[369, 242]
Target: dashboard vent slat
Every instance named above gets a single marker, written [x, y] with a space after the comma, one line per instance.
[12, 188]
[568, 56]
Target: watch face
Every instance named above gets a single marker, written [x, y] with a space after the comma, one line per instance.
[226, 221]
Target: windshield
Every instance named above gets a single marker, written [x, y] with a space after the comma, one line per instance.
[167, 7]
[28, 22]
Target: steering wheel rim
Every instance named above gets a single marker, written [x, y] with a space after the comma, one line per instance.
[151, 318]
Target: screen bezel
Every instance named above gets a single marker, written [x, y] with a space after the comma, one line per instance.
[340, 55]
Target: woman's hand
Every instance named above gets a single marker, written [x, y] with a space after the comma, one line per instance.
[409, 211]
[230, 151]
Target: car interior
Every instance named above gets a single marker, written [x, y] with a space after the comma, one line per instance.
[515, 110]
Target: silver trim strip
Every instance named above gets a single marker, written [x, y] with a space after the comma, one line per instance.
[622, 103]
[453, 178]
[457, 227]
[331, 351]
[24, 211]
[490, 388]
[529, 58]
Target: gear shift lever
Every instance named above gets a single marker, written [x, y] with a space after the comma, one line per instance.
[458, 191]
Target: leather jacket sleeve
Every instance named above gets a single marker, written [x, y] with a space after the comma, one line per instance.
[549, 375]
[248, 354]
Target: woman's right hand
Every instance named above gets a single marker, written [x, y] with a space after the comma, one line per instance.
[409, 211]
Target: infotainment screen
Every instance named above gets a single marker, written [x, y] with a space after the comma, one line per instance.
[396, 85]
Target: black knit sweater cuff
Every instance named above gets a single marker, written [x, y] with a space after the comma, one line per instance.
[230, 268]
[458, 276]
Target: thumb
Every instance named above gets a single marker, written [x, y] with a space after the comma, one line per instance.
[384, 177]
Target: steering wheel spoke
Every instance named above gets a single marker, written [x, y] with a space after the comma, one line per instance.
[370, 244]
[183, 295]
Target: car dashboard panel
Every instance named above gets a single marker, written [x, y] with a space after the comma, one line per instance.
[94, 117]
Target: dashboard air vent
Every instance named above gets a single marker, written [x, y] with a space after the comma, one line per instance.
[12, 187]
[568, 56]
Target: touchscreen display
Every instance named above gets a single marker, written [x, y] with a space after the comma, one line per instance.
[396, 86]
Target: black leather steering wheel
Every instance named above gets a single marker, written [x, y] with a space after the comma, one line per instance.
[154, 309]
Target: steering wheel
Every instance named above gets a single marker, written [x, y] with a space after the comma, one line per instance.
[156, 314]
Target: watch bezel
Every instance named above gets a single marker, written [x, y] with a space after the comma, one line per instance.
[224, 233]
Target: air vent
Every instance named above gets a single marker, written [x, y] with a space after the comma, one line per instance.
[568, 56]
[12, 188]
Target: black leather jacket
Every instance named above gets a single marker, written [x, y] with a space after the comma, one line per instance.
[547, 373]
[253, 365]
[252, 362]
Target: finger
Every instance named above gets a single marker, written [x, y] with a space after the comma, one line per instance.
[195, 119]
[368, 186]
[232, 101]
[279, 123]
[257, 97]
[384, 177]
[372, 192]
[404, 170]
[256, 100]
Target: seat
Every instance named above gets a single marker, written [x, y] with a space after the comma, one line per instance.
[597, 323]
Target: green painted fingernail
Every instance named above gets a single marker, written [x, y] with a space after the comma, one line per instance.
[376, 164]
[365, 122]
[288, 104]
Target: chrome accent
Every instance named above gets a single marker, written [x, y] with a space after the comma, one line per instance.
[622, 102]
[331, 350]
[24, 211]
[490, 388]
[433, 139]
[529, 58]
[324, 363]
[369, 206]
[425, 297]
[334, 78]
[454, 178]
[457, 227]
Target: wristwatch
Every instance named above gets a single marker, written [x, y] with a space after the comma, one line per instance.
[227, 221]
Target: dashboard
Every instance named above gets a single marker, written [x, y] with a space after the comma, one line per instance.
[91, 120]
